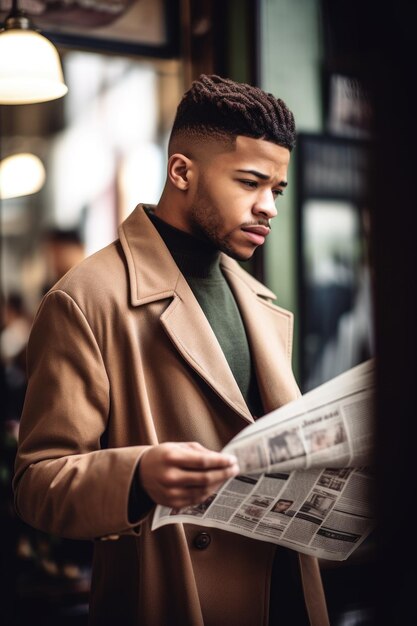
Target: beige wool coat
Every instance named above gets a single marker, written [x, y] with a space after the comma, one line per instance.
[122, 357]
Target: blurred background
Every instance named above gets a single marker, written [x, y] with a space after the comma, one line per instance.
[341, 255]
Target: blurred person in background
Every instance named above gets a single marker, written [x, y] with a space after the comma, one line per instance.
[63, 248]
[13, 340]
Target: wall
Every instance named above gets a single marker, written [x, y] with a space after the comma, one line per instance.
[290, 65]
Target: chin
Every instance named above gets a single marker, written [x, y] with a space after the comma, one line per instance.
[238, 255]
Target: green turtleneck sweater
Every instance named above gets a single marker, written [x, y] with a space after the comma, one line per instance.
[199, 262]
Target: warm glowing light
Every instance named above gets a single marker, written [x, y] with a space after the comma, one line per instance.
[21, 175]
[30, 68]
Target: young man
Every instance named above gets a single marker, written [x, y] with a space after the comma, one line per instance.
[147, 358]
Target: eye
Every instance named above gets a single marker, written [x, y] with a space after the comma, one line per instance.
[252, 184]
[277, 192]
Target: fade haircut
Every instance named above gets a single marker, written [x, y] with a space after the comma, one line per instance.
[224, 108]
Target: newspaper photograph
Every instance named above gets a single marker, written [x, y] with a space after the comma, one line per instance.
[306, 479]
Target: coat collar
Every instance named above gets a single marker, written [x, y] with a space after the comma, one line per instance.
[153, 275]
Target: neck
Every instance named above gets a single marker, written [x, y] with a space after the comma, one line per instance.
[193, 256]
[171, 209]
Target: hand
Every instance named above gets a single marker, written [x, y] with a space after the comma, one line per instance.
[180, 474]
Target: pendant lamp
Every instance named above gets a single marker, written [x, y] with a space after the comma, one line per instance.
[30, 68]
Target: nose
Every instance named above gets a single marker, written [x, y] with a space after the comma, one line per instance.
[265, 205]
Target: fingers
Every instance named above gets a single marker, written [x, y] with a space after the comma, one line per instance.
[184, 488]
[178, 478]
[180, 474]
[197, 458]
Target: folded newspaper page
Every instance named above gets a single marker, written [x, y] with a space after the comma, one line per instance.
[306, 475]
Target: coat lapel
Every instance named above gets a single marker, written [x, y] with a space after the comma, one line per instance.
[153, 276]
[189, 330]
[269, 329]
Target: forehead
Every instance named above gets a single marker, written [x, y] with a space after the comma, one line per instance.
[253, 154]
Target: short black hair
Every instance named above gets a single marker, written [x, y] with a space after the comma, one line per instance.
[223, 106]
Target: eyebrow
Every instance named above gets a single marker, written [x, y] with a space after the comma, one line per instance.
[283, 183]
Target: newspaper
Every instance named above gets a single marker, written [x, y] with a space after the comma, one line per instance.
[306, 477]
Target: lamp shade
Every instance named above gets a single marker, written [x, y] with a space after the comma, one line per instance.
[30, 68]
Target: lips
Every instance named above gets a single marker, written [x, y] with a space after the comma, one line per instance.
[256, 234]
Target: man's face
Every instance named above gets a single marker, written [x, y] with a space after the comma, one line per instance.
[235, 195]
[282, 505]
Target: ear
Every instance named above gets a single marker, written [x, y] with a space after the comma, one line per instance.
[180, 171]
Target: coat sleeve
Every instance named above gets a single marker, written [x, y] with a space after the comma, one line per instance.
[64, 483]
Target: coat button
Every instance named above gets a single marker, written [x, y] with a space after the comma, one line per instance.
[202, 541]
